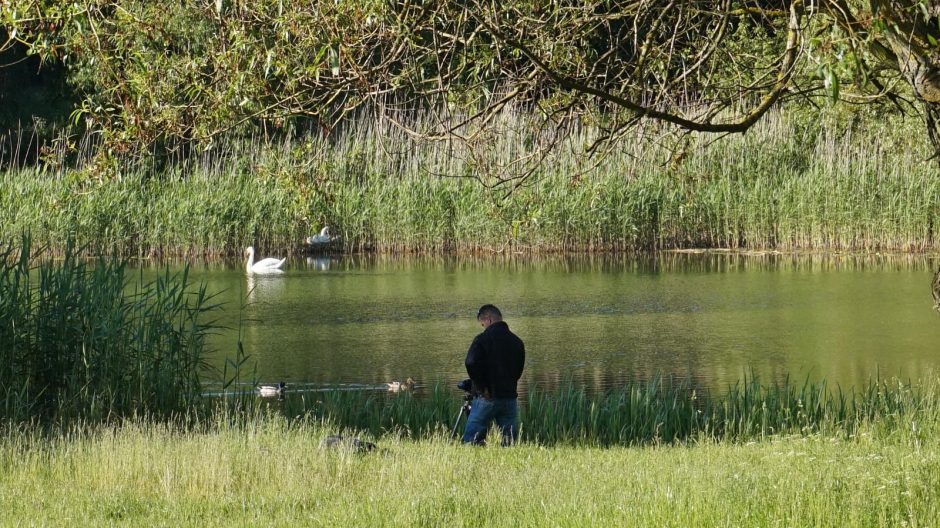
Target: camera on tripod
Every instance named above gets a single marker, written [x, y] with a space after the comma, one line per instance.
[467, 387]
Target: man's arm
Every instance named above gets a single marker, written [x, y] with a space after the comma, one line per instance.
[476, 368]
[521, 363]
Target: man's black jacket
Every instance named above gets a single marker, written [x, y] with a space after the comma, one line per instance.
[495, 361]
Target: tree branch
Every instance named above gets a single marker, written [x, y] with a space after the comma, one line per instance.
[784, 74]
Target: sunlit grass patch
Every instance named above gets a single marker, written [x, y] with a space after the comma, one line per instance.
[274, 472]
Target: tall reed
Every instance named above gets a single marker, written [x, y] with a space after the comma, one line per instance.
[792, 182]
[660, 410]
[82, 341]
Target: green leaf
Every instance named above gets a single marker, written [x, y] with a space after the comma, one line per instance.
[334, 62]
[832, 83]
[76, 116]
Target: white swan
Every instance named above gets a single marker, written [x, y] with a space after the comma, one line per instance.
[323, 238]
[268, 265]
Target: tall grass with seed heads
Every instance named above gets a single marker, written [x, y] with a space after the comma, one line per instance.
[790, 183]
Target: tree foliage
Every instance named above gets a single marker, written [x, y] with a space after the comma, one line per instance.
[183, 72]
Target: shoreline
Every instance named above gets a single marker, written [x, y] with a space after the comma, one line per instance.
[236, 260]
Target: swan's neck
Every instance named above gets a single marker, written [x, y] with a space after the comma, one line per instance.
[251, 258]
[325, 231]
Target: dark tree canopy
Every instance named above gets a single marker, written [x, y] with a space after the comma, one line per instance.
[155, 73]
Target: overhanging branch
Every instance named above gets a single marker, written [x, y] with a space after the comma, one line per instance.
[779, 87]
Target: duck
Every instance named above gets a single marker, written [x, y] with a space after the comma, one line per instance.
[346, 442]
[271, 391]
[399, 386]
[267, 265]
[323, 238]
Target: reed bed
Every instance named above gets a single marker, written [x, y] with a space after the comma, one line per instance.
[791, 183]
[81, 341]
[141, 216]
[661, 410]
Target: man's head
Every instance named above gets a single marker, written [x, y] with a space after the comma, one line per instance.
[488, 315]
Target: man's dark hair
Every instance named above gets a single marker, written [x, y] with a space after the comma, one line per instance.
[491, 311]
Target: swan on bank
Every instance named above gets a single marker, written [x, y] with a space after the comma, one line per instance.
[323, 238]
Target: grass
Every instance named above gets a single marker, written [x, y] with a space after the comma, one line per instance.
[829, 183]
[271, 471]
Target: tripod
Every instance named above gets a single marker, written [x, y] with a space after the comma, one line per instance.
[464, 410]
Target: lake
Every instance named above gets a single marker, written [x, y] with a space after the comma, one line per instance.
[360, 321]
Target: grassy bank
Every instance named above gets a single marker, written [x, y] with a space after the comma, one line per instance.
[776, 461]
[273, 472]
[830, 184]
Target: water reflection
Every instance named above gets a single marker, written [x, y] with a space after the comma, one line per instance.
[597, 320]
[264, 288]
[319, 263]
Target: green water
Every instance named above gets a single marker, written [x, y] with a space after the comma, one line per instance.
[363, 321]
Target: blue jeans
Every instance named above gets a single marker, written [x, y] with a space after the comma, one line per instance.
[483, 412]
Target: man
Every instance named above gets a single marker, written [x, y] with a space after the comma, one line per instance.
[494, 363]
